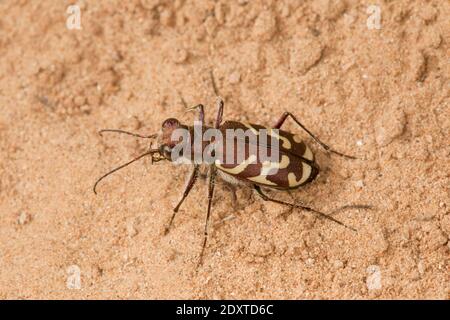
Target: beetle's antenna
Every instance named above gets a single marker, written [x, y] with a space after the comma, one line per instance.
[152, 151]
[152, 136]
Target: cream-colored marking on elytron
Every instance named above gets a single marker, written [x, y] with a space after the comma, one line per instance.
[306, 172]
[270, 132]
[250, 127]
[262, 180]
[286, 142]
[297, 138]
[266, 169]
[308, 154]
[267, 166]
[239, 168]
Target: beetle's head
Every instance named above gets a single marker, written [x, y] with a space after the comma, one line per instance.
[166, 141]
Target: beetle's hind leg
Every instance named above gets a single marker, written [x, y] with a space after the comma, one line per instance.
[234, 200]
[292, 205]
[291, 209]
[286, 114]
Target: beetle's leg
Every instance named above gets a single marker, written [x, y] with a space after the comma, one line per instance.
[320, 214]
[232, 189]
[201, 114]
[213, 82]
[323, 145]
[219, 112]
[219, 102]
[190, 184]
[351, 206]
[291, 209]
[211, 185]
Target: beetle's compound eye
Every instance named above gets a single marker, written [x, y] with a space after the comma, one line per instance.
[171, 123]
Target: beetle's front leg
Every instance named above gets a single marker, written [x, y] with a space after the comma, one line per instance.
[211, 184]
[286, 114]
[189, 185]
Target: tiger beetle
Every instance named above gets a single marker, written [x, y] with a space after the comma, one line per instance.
[297, 165]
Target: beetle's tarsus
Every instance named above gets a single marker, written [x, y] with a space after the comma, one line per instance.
[351, 206]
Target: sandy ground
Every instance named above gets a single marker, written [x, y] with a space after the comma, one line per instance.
[380, 94]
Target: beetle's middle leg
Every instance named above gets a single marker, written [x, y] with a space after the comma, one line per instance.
[292, 205]
[219, 102]
[323, 145]
[219, 113]
[190, 184]
[201, 113]
[211, 184]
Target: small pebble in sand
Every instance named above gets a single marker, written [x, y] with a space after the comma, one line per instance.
[380, 244]
[349, 19]
[329, 9]
[211, 26]
[131, 229]
[373, 280]
[428, 13]
[433, 237]
[150, 4]
[431, 38]
[338, 264]
[166, 17]
[73, 280]
[389, 126]
[79, 100]
[86, 109]
[234, 77]
[179, 55]
[421, 267]
[359, 143]
[359, 184]
[285, 11]
[445, 224]
[304, 54]
[24, 218]
[418, 65]
[265, 26]
[219, 13]
[309, 262]
[260, 248]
